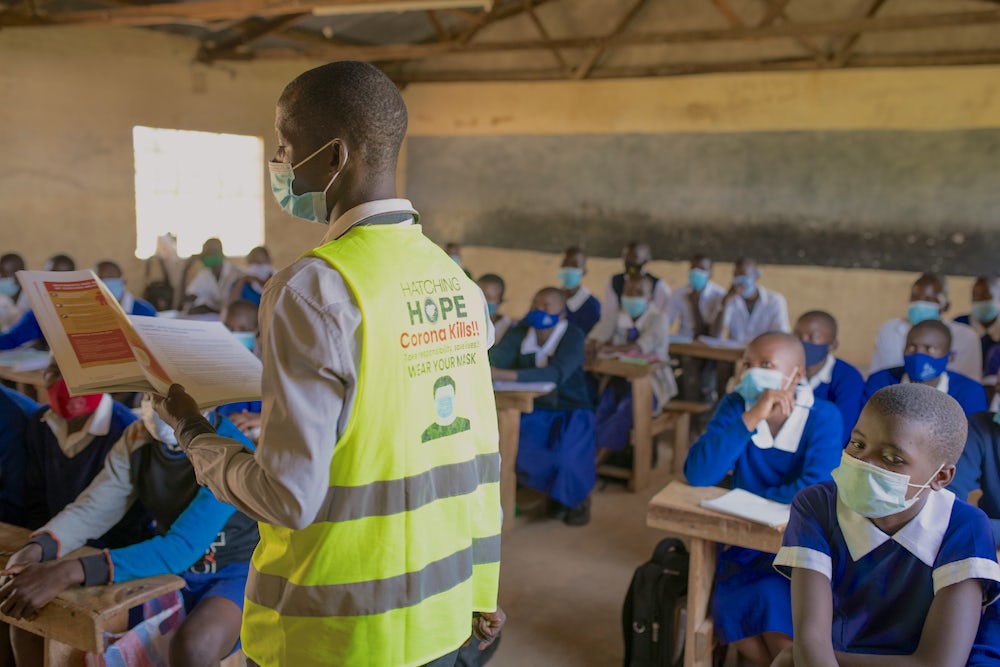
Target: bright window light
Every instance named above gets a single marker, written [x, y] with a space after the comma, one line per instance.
[197, 185]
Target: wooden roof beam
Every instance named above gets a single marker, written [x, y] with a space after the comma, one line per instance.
[841, 56]
[584, 68]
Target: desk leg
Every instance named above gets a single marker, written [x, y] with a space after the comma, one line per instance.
[642, 436]
[510, 430]
[682, 440]
[58, 654]
[698, 631]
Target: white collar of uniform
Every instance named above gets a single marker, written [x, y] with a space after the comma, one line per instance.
[99, 423]
[942, 384]
[127, 302]
[825, 375]
[366, 210]
[993, 331]
[790, 434]
[922, 536]
[575, 302]
[542, 353]
[625, 321]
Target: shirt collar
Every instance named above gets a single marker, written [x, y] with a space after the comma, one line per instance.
[575, 302]
[942, 384]
[825, 375]
[542, 352]
[367, 210]
[98, 424]
[922, 536]
[789, 436]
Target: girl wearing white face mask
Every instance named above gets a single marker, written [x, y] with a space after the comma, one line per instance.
[887, 566]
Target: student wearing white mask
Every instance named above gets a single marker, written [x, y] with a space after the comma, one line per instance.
[26, 329]
[258, 271]
[984, 316]
[583, 310]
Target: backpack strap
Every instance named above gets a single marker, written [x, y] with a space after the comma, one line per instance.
[667, 547]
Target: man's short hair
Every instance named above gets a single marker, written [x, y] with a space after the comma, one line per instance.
[350, 97]
[931, 278]
[940, 414]
[933, 325]
[444, 381]
[13, 257]
[826, 317]
[107, 263]
[493, 279]
[61, 259]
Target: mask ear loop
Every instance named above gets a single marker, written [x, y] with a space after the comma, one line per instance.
[339, 171]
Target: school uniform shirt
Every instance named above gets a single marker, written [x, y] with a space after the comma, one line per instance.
[651, 334]
[770, 313]
[26, 329]
[979, 467]
[583, 310]
[883, 585]
[989, 336]
[195, 532]
[15, 414]
[133, 305]
[562, 363]
[965, 345]
[12, 309]
[285, 482]
[841, 384]
[709, 305]
[986, 647]
[213, 292]
[969, 393]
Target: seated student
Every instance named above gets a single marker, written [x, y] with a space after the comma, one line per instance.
[241, 319]
[13, 301]
[983, 316]
[454, 251]
[493, 289]
[26, 329]
[583, 310]
[111, 275]
[207, 542]
[925, 357]
[696, 306]
[884, 561]
[258, 272]
[749, 310]
[638, 328]
[16, 411]
[556, 448]
[831, 379]
[979, 466]
[928, 300]
[777, 439]
[635, 255]
[67, 442]
[208, 291]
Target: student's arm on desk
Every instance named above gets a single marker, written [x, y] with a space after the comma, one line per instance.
[504, 354]
[716, 452]
[23, 331]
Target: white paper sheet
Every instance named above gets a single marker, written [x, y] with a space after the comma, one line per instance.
[752, 507]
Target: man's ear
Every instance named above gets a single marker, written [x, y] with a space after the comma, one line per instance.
[338, 156]
[834, 344]
[943, 477]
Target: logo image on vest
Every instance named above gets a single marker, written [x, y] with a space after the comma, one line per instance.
[444, 401]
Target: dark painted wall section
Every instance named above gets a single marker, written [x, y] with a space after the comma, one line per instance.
[878, 199]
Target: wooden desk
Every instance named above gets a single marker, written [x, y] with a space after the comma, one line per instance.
[28, 379]
[77, 619]
[510, 406]
[676, 510]
[638, 376]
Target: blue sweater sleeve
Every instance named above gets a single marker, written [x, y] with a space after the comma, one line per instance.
[142, 307]
[974, 461]
[566, 360]
[716, 452]
[849, 396]
[23, 331]
[875, 382]
[824, 446]
[972, 397]
[189, 537]
[588, 315]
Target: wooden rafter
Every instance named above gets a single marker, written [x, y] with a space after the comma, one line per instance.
[775, 10]
[583, 70]
[546, 37]
[847, 44]
[246, 32]
[442, 33]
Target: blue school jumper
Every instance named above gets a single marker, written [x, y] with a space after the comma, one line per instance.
[15, 413]
[556, 450]
[986, 648]
[883, 585]
[986, 341]
[586, 316]
[845, 389]
[750, 597]
[969, 393]
[979, 467]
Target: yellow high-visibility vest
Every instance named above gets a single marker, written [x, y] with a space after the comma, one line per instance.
[407, 543]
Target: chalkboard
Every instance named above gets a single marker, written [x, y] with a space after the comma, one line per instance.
[879, 199]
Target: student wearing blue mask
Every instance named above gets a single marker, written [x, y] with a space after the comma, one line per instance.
[639, 327]
[493, 288]
[13, 301]
[928, 301]
[556, 448]
[983, 316]
[831, 379]
[750, 310]
[925, 361]
[887, 566]
[26, 329]
[776, 438]
[111, 275]
[635, 256]
[583, 310]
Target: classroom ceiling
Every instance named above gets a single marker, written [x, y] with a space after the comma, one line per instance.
[497, 40]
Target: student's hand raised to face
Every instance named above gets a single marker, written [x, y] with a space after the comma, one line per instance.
[773, 402]
[175, 406]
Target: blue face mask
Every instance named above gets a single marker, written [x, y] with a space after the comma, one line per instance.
[698, 278]
[445, 406]
[921, 367]
[309, 206]
[491, 308]
[456, 258]
[984, 311]
[116, 286]
[247, 339]
[918, 311]
[757, 380]
[9, 287]
[570, 276]
[815, 353]
[634, 305]
[748, 285]
[539, 319]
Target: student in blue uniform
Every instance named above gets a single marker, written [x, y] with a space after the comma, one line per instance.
[583, 310]
[984, 316]
[205, 541]
[831, 379]
[925, 359]
[979, 467]
[13, 301]
[776, 438]
[556, 448]
[884, 561]
[258, 270]
[241, 319]
[113, 278]
[15, 414]
[26, 329]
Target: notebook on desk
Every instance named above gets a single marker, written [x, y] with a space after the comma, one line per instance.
[751, 507]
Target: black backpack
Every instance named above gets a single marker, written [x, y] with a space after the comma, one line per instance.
[652, 619]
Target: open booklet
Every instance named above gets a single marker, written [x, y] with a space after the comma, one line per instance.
[101, 349]
[749, 506]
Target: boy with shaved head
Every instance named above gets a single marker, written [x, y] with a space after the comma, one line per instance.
[777, 439]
